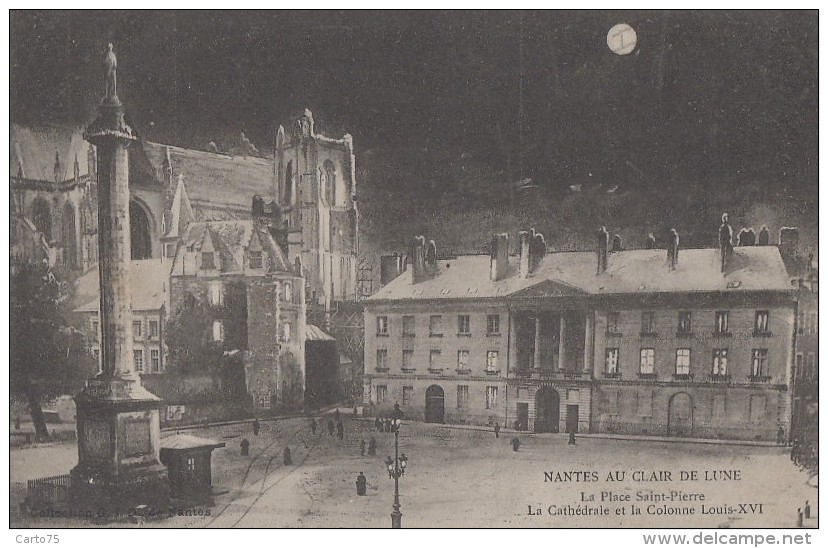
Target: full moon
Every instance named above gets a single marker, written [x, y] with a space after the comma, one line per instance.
[621, 39]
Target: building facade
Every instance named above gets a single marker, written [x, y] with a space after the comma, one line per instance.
[619, 343]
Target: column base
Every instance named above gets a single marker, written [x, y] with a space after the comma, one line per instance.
[111, 497]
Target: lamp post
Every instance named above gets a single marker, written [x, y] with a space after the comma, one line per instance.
[397, 469]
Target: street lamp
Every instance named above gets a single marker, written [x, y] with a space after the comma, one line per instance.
[397, 467]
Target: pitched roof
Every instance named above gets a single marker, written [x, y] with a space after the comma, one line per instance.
[313, 333]
[218, 184]
[150, 280]
[181, 212]
[231, 239]
[634, 271]
[188, 441]
[33, 149]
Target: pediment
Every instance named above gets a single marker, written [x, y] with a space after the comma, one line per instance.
[549, 289]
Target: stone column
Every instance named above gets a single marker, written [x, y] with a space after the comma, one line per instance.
[589, 351]
[536, 359]
[562, 343]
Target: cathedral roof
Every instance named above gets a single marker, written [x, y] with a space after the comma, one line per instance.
[32, 150]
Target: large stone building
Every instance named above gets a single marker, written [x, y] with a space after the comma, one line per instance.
[575, 341]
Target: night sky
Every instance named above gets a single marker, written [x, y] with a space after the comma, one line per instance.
[706, 95]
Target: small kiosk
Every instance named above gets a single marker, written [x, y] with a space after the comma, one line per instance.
[188, 460]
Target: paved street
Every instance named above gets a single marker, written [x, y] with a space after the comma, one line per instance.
[465, 477]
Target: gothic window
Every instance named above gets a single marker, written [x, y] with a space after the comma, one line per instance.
[139, 232]
[288, 198]
[42, 217]
[330, 182]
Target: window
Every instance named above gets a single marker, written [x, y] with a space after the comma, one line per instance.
[155, 360]
[208, 260]
[648, 323]
[463, 360]
[191, 464]
[685, 324]
[462, 396]
[170, 250]
[493, 324]
[645, 403]
[760, 323]
[408, 360]
[218, 331]
[255, 260]
[463, 325]
[613, 322]
[491, 397]
[647, 361]
[435, 326]
[408, 392]
[722, 322]
[408, 326]
[759, 363]
[683, 361]
[382, 359]
[216, 295]
[138, 358]
[136, 329]
[813, 324]
[382, 325]
[720, 362]
[611, 361]
[288, 292]
[286, 332]
[153, 329]
[434, 360]
[491, 361]
[382, 393]
[95, 331]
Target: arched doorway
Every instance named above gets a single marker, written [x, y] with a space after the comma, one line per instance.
[41, 215]
[70, 243]
[680, 415]
[139, 232]
[547, 410]
[435, 409]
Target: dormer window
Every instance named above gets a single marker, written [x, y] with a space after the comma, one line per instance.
[208, 260]
[255, 259]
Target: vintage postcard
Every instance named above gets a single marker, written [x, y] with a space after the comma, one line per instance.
[374, 269]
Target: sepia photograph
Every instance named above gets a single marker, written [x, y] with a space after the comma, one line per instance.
[421, 269]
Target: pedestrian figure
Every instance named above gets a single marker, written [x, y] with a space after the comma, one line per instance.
[340, 430]
[330, 427]
[245, 447]
[288, 460]
[517, 424]
[572, 437]
[389, 465]
[515, 444]
[372, 446]
[387, 425]
[361, 483]
[780, 436]
[377, 424]
[313, 426]
[362, 448]
[256, 427]
[807, 510]
[799, 517]
[336, 415]
[355, 410]
[497, 430]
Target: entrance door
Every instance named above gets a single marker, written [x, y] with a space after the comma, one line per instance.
[547, 410]
[522, 416]
[435, 404]
[572, 418]
[680, 415]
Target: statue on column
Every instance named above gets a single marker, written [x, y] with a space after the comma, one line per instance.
[110, 68]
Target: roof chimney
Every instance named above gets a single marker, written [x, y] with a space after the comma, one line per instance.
[725, 241]
[499, 256]
[603, 244]
[747, 237]
[764, 236]
[537, 250]
[789, 243]
[390, 268]
[672, 248]
[418, 259]
[523, 238]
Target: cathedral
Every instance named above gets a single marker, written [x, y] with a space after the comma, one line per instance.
[291, 210]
